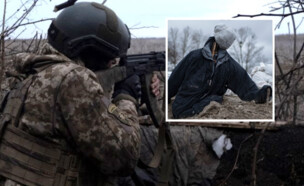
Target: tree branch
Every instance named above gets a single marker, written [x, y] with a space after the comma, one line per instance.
[8, 31]
[236, 160]
[2, 45]
[279, 66]
[255, 151]
[263, 14]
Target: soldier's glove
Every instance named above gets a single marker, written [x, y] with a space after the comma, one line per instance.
[222, 144]
[130, 88]
[264, 94]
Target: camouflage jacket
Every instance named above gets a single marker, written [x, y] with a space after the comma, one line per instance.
[66, 102]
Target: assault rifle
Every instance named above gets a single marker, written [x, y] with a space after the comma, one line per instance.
[142, 65]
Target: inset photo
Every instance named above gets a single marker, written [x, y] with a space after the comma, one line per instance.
[220, 70]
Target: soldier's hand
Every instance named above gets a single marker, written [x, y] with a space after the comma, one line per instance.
[130, 86]
[155, 85]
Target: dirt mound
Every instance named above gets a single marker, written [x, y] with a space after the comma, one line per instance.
[279, 158]
[233, 108]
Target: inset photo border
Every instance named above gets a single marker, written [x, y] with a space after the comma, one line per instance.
[220, 70]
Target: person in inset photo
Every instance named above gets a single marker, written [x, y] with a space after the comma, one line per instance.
[205, 74]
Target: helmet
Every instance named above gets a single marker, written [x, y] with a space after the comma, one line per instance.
[89, 25]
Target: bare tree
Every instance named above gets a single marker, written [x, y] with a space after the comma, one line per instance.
[10, 24]
[289, 85]
[2, 40]
[245, 49]
[180, 43]
[185, 40]
[173, 45]
[197, 39]
[285, 80]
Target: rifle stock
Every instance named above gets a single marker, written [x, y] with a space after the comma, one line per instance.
[143, 65]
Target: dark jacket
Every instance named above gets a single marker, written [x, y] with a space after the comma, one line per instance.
[197, 80]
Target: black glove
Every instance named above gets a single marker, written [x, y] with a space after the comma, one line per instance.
[262, 95]
[130, 86]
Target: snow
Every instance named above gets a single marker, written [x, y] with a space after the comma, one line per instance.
[171, 66]
[262, 74]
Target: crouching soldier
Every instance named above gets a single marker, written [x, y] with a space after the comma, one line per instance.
[57, 127]
[205, 74]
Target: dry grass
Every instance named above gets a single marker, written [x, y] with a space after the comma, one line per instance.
[138, 45]
[146, 45]
[284, 50]
[233, 108]
[284, 47]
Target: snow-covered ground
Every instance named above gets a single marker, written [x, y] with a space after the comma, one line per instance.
[170, 68]
[262, 74]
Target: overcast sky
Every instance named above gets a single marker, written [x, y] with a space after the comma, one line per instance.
[146, 13]
[261, 28]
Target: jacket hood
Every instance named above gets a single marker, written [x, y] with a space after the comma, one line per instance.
[28, 62]
[206, 51]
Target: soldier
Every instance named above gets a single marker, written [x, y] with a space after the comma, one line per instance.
[57, 127]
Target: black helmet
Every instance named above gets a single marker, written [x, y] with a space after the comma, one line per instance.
[89, 25]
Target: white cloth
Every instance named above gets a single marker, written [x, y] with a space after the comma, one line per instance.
[221, 145]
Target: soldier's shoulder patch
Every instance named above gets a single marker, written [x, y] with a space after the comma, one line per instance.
[112, 109]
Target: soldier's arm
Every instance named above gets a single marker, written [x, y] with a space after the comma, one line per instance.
[111, 140]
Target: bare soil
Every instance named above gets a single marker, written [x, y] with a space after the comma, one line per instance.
[279, 158]
[233, 108]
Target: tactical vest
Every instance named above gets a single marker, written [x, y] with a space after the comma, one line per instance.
[27, 159]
